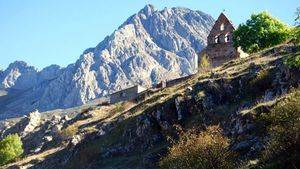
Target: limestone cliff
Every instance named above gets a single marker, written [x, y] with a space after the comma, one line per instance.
[149, 47]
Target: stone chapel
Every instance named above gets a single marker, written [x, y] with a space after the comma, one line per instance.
[220, 47]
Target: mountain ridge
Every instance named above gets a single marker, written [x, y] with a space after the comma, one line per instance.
[148, 47]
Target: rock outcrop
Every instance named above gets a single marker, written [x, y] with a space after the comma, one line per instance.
[24, 126]
[38, 134]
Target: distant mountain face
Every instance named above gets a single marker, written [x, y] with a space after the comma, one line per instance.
[149, 47]
[18, 75]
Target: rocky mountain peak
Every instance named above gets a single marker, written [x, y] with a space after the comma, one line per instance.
[148, 10]
[18, 75]
[149, 47]
[21, 65]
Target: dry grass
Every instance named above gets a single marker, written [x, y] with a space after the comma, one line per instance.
[204, 63]
[39, 157]
[261, 82]
[68, 132]
[283, 127]
[118, 107]
[209, 149]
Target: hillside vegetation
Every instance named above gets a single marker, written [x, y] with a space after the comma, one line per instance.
[243, 114]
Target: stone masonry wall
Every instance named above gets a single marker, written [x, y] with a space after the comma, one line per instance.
[220, 47]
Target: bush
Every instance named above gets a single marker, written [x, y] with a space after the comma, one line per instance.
[296, 30]
[293, 61]
[10, 149]
[204, 62]
[283, 148]
[68, 132]
[208, 149]
[260, 31]
[253, 48]
[295, 35]
[119, 107]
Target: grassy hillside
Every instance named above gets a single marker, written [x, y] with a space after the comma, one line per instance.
[243, 114]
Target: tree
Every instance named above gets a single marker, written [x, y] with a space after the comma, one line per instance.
[296, 29]
[10, 148]
[260, 31]
[297, 19]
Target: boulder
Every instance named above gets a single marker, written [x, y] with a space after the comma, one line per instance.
[75, 140]
[26, 125]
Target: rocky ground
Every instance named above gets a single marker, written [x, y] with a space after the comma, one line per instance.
[137, 135]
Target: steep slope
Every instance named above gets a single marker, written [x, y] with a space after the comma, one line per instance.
[149, 47]
[234, 96]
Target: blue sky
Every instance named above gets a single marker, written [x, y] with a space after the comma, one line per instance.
[44, 32]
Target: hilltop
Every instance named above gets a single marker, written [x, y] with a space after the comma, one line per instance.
[240, 97]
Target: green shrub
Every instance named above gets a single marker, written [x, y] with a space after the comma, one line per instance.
[10, 148]
[208, 149]
[283, 148]
[260, 31]
[253, 48]
[296, 30]
[119, 107]
[295, 35]
[293, 61]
